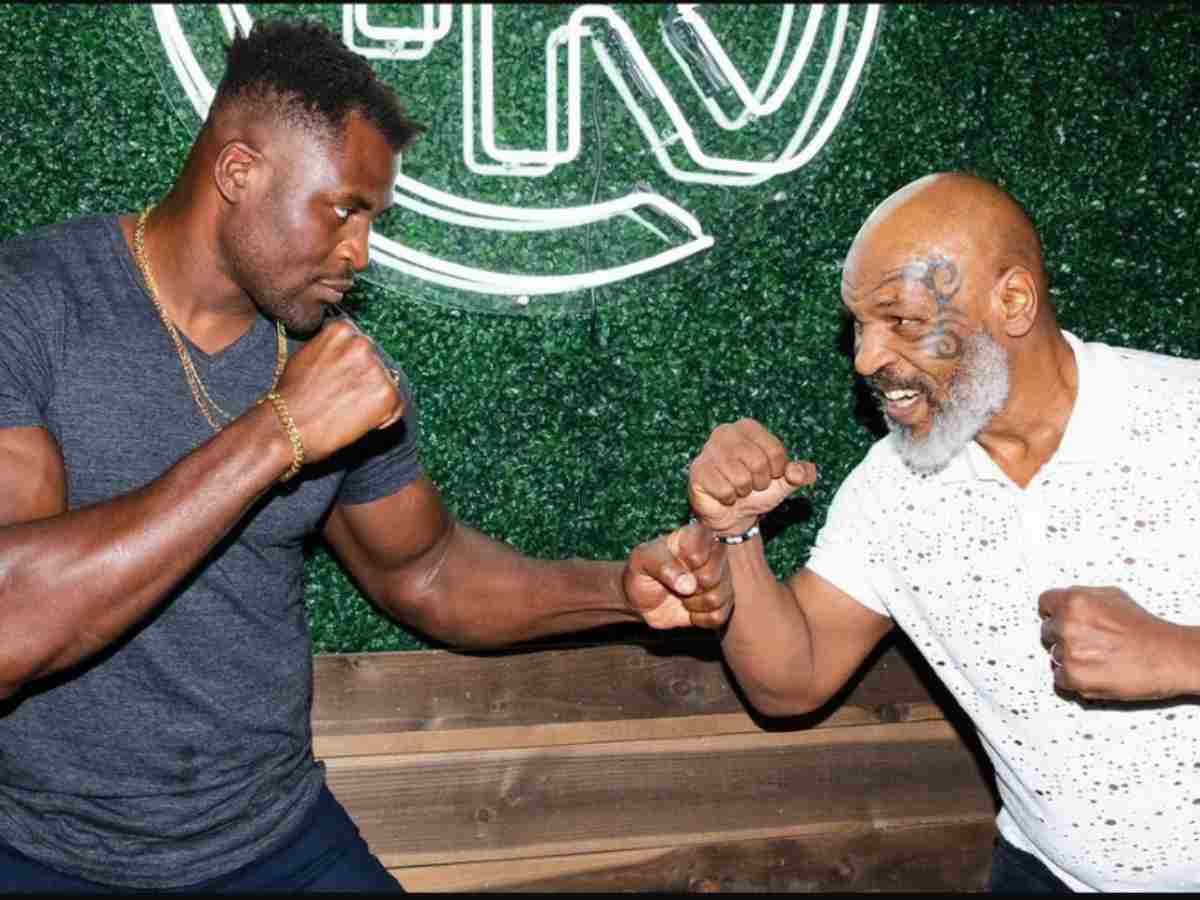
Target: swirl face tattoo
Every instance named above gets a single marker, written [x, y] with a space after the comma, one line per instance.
[959, 376]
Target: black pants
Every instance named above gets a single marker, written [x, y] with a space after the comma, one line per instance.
[1016, 872]
[326, 853]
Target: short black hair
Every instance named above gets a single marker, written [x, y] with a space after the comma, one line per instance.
[303, 73]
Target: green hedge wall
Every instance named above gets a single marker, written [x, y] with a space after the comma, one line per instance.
[569, 434]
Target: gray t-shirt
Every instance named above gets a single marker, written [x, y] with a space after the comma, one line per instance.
[184, 750]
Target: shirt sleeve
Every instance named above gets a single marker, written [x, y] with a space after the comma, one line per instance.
[26, 373]
[842, 553]
[381, 463]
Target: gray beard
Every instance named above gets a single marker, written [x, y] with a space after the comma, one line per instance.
[977, 392]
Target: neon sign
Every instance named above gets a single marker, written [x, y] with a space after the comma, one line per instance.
[697, 62]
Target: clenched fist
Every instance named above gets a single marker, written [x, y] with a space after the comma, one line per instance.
[742, 473]
[679, 580]
[337, 389]
[1103, 645]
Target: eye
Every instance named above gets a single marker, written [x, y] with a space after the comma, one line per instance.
[342, 212]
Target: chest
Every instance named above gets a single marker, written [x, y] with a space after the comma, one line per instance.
[974, 569]
[123, 413]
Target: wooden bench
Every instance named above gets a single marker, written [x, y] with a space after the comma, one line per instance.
[635, 766]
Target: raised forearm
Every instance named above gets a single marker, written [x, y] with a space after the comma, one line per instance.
[768, 643]
[482, 593]
[72, 583]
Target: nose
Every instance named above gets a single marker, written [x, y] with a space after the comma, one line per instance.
[871, 350]
[355, 249]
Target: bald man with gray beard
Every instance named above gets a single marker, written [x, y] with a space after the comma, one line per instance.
[1030, 522]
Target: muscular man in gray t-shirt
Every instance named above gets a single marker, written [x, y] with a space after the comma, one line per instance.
[193, 724]
[165, 450]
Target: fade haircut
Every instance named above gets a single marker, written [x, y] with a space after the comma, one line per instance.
[301, 73]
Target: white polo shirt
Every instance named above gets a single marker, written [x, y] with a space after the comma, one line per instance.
[1106, 794]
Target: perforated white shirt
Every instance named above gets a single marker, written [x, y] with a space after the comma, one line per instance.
[1107, 795]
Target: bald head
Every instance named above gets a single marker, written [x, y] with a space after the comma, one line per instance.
[962, 219]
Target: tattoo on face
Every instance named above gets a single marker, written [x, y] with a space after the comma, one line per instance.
[942, 279]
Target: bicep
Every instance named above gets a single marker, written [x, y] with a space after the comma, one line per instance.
[391, 545]
[33, 479]
[842, 630]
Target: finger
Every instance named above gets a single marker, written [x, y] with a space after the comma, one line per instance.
[1050, 633]
[708, 480]
[801, 473]
[340, 330]
[694, 546]
[745, 475]
[773, 454]
[1050, 601]
[665, 566]
[711, 620]
[712, 600]
[1059, 674]
[392, 419]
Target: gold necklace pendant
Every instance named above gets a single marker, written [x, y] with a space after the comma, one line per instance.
[204, 401]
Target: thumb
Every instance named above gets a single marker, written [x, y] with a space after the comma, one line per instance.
[800, 473]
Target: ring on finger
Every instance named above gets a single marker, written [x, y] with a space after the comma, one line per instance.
[1054, 661]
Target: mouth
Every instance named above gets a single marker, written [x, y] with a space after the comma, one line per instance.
[903, 405]
[337, 287]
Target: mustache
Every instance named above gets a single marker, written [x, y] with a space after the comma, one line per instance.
[882, 383]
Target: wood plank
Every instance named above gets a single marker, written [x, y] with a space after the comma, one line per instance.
[429, 808]
[954, 857]
[417, 701]
[512, 737]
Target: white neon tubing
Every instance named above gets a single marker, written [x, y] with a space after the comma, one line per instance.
[404, 34]
[547, 219]
[568, 215]
[764, 106]
[397, 36]
[673, 111]
[519, 162]
[397, 50]
[179, 53]
[468, 90]
[442, 272]
[783, 32]
[761, 170]
[530, 162]
[751, 101]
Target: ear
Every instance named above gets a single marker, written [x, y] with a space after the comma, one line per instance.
[236, 166]
[1016, 300]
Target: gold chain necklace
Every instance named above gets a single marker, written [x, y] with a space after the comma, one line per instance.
[206, 403]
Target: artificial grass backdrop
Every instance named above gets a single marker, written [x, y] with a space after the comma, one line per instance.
[568, 432]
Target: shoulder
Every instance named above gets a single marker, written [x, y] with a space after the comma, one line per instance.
[40, 249]
[50, 259]
[1145, 368]
[1154, 381]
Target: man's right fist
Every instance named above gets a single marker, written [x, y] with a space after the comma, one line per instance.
[742, 473]
[338, 388]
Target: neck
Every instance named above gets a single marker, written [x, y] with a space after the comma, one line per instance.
[193, 286]
[1024, 435]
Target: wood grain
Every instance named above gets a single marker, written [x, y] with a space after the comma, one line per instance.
[637, 766]
[420, 701]
[420, 809]
[943, 858]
